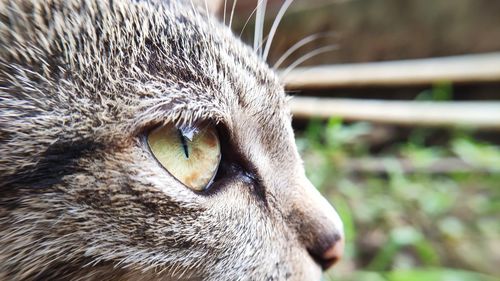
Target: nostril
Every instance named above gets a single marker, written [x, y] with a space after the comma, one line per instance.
[334, 254]
[330, 255]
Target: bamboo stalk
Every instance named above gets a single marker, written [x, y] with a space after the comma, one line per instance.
[477, 115]
[458, 69]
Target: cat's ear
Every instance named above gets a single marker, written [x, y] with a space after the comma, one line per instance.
[213, 6]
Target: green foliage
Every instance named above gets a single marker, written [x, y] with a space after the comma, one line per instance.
[423, 274]
[409, 226]
[440, 92]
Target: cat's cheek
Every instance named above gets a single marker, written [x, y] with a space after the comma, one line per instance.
[259, 239]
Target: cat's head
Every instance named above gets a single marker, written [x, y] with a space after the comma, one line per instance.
[98, 99]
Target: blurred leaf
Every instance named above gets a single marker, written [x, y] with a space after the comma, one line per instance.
[437, 275]
[405, 236]
[384, 257]
[344, 212]
[479, 154]
[357, 276]
[427, 253]
[442, 91]
[338, 134]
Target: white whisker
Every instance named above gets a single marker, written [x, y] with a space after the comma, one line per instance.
[224, 15]
[193, 7]
[299, 44]
[249, 17]
[259, 26]
[262, 43]
[308, 56]
[274, 27]
[206, 9]
[232, 13]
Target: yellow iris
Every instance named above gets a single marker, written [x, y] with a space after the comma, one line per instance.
[191, 155]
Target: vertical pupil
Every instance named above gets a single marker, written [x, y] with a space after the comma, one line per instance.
[184, 143]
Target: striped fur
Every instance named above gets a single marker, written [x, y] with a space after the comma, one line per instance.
[81, 197]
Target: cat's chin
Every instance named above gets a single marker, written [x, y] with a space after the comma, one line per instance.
[311, 271]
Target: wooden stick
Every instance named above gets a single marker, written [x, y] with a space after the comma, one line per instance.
[477, 115]
[458, 69]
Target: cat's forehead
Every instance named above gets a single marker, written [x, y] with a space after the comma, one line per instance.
[196, 69]
[108, 69]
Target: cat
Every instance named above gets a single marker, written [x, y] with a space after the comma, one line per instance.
[142, 140]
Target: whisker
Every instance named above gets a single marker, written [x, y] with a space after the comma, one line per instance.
[262, 43]
[206, 10]
[307, 56]
[249, 17]
[300, 44]
[259, 26]
[232, 14]
[274, 27]
[224, 15]
[209, 15]
[194, 9]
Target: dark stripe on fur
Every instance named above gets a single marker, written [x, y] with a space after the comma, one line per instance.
[58, 161]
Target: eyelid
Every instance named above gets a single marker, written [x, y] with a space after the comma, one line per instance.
[173, 112]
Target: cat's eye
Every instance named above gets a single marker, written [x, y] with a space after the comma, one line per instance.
[190, 154]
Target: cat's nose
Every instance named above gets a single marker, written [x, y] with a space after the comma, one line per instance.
[317, 225]
[327, 257]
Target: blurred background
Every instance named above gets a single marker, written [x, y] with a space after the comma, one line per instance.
[409, 151]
